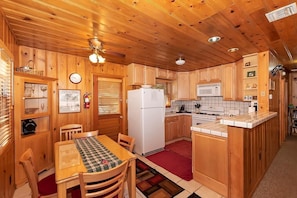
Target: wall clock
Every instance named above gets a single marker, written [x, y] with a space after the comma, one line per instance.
[75, 78]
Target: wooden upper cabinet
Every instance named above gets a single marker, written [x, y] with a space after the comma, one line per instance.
[210, 75]
[135, 74]
[161, 73]
[228, 81]
[165, 74]
[171, 75]
[193, 77]
[183, 85]
[149, 75]
[141, 75]
[184, 88]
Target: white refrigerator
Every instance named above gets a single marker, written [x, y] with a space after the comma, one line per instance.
[146, 117]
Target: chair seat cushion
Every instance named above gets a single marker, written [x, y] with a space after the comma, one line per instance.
[47, 185]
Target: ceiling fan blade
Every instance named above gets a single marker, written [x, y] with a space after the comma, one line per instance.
[113, 53]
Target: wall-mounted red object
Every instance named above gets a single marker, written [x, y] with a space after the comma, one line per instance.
[87, 100]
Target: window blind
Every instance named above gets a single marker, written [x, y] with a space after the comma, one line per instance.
[109, 96]
[5, 99]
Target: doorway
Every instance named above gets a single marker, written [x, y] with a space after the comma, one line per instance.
[108, 106]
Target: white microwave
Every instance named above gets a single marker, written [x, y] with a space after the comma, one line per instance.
[213, 89]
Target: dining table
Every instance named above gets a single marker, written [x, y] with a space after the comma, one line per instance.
[69, 163]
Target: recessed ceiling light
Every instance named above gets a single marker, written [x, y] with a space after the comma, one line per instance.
[214, 39]
[281, 12]
[233, 49]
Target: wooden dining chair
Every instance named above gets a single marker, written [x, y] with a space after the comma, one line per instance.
[108, 184]
[44, 188]
[126, 141]
[85, 134]
[68, 130]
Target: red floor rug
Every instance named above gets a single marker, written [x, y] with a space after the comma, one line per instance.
[182, 147]
[174, 163]
[152, 184]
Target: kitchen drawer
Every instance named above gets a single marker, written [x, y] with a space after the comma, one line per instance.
[171, 119]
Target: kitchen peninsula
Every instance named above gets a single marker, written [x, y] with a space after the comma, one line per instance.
[231, 156]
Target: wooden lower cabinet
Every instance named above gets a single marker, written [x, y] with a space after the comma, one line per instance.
[234, 166]
[7, 186]
[171, 128]
[40, 143]
[186, 123]
[210, 162]
[177, 127]
[251, 152]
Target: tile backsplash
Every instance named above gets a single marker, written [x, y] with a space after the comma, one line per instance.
[210, 101]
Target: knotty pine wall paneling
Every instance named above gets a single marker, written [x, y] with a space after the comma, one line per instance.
[51, 68]
[68, 64]
[60, 66]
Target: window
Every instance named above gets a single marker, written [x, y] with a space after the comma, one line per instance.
[167, 86]
[5, 100]
[109, 96]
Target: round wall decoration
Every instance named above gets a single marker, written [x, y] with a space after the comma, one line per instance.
[75, 78]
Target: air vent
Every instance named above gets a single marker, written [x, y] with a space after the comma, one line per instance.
[281, 12]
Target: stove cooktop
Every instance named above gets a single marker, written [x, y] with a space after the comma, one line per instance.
[212, 110]
[213, 114]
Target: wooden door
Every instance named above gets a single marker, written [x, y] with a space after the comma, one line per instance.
[108, 99]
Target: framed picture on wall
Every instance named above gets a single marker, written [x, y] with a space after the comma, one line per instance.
[69, 101]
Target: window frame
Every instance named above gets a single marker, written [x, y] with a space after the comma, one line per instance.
[6, 98]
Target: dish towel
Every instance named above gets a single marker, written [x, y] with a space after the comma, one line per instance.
[95, 156]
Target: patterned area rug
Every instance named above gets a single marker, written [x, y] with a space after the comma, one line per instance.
[153, 184]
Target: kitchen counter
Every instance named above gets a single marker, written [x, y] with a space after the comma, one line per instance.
[213, 128]
[249, 121]
[168, 114]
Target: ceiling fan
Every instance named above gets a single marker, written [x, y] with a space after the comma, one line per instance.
[97, 46]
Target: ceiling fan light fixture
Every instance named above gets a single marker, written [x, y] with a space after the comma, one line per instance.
[180, 61]
[96, 58]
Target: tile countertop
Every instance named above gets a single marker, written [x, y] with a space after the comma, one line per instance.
[213, 128]
[169, 114]
[248, 120]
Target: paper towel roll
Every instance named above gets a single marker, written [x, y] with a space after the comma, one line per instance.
[251, 109]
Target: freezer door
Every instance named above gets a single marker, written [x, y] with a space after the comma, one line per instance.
[152, 98]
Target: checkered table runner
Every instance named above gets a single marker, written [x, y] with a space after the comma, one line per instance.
[95, 156]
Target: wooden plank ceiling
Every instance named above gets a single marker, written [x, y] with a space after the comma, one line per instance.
[155, 32]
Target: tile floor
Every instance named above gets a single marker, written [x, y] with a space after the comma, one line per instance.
[189, 186]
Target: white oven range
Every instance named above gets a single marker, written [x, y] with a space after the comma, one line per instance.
[207, 114]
